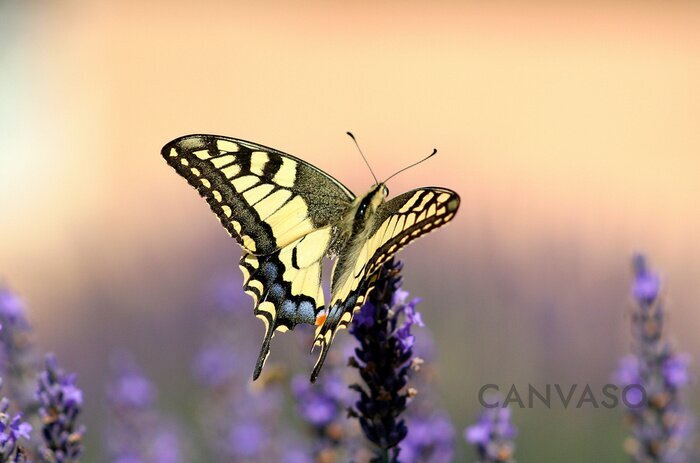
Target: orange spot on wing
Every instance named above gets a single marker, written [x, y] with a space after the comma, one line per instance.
[320, 319]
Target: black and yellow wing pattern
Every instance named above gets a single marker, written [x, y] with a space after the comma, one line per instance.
[288, 215]
[280, 210]
[396, 223]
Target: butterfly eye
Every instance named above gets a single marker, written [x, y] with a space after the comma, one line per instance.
[386, 190]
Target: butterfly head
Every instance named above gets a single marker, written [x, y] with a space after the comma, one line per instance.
[368, 204]
[382, 190]
[377, 195]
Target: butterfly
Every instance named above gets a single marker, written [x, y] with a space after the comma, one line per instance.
[287, 215]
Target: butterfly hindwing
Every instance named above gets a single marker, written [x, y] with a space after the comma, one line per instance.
[286, 286]
[395, 224]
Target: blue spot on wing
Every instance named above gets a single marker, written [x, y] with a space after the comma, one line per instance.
[306, 312]
[277, 291]
[288, 309]
[270, 272]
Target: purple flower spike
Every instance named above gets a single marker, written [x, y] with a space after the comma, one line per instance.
[12, 308]
[647, 285]
[492, 436]
[12, 431]
[384, 359]
[18, 361]
[60, 403]
[660, 424]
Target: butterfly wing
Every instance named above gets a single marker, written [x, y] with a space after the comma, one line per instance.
[279, 208]
[266, 199]
[395, 224]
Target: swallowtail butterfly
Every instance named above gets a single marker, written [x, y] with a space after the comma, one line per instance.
[288, 215]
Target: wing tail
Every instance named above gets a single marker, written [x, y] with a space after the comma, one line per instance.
[325, 347]
[276, 304]
[265, 348]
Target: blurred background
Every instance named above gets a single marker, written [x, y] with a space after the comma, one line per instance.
[570, 131]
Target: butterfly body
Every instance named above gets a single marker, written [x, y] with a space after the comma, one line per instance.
[353, 231]
[288, 215]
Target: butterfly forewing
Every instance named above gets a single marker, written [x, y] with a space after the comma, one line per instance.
[405, 218]
[266, 199]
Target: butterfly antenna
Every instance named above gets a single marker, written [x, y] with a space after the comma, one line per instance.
[412, 165]
[363, 156]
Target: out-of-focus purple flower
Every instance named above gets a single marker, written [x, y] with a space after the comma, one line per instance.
[493, 436]
[240, 421]
[246, 439]
[628, 370]
[60, 403]
[18, 361]
[654, 376]
[13, 430]
[297, 455]
[216, 365]
[130, 389]
[430, 439]
[323, 406]
[384, 359]
[12, 309]
[675, 370]
[136, 432]
[478, 433]
[166, 445]
[315, 406]
[646, 285]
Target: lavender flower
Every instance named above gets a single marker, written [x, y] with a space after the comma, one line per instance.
[18, 362]
[430, 435]
[240, 420]
[384, 360]
[137, 433]
[60, 404]
[492, 436]
[653, 377]
[12, 430]
[323, 406]
[430, 439]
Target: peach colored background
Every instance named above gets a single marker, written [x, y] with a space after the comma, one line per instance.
[571, 133]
